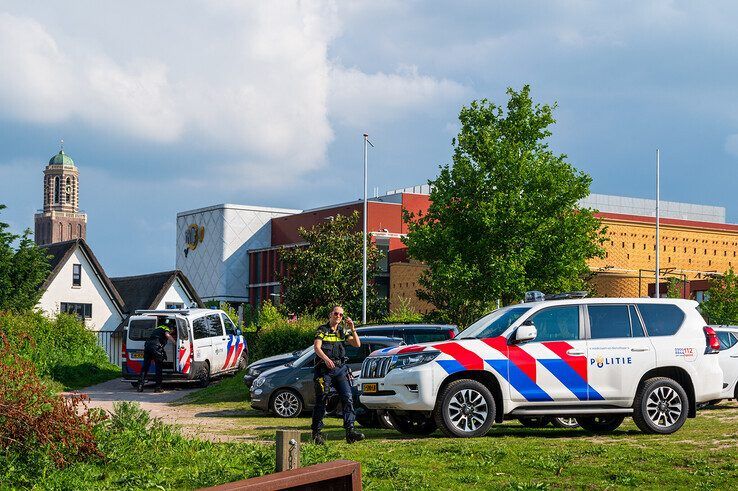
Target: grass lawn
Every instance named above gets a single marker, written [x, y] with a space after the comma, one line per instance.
[702, 455]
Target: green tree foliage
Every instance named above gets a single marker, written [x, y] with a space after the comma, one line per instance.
[675, 288]
[403, 313]
[22, 270]
[503, 218]
[328, 270]
[721, 306]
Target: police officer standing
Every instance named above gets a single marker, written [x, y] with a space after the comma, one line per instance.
[331, 370]
[154, 351]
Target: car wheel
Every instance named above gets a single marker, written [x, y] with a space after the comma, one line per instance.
[539, 422]
[601, 424]
[286, 404]
[242, 363]
[466, 408]
[565, 422]
[203, 375]
[385, 421]
[661, 406]
[412, 423]
[134, 385]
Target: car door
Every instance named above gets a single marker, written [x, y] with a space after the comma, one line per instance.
[618, 351]
[728, 362]
[552, 368]
[201, 340]
[219, 342]
[235, 343]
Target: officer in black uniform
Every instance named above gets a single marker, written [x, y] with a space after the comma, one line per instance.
[154, 351]
[331, 370]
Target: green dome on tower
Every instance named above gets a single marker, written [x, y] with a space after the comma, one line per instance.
[61, 158]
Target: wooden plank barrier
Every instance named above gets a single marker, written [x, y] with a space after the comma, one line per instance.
[338, 475]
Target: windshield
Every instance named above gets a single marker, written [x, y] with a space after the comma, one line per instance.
[304, 357]
[494, 324]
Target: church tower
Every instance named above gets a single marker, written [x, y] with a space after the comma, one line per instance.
[60, 219]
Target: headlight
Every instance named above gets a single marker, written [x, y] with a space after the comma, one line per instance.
[254, 371]
[413, 359]
[259, 382]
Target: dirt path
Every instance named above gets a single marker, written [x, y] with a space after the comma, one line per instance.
[197, 422]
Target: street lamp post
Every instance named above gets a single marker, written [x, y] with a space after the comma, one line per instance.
[657, 222]
[363, 303]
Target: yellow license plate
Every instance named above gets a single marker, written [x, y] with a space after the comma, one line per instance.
[368, 388]
[136, 356]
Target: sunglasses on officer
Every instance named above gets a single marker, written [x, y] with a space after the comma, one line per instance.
[337, 314]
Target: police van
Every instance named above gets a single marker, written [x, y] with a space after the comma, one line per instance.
[594, 359]
[207, 344]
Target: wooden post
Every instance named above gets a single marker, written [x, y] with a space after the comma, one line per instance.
[288, 450]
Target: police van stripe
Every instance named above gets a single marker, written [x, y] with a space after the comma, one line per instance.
[469, 359]
[520, 381]
[451, 366]
[522, 359]
[578, 363]
[568, 376]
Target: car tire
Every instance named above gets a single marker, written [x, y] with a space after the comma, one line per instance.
[539, 422]
[661, 406]
[567, 423]
[203, 375]
[385, 421]
[286, 403]
[605, 423]
[242, 363]
[412, 423]
[465, 409]
[134, 385]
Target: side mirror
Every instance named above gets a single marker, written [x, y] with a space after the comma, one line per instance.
[526, 332]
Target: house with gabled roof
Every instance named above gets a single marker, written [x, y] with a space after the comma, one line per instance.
[157, 291]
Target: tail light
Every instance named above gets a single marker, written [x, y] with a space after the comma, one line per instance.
[123, 352]
[451, 334]
[192, 351]
[713, 343]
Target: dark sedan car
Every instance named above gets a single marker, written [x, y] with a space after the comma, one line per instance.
[409, 333]
[288, 390]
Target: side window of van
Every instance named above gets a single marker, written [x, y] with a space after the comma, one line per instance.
[215, 328]
[200, 328]
[608, 321]
[661, 319]
[230, 329]
[182, 331]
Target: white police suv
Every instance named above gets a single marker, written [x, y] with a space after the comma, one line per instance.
[595, 359]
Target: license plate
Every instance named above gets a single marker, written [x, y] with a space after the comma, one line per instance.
[136, 356]
[369, 388]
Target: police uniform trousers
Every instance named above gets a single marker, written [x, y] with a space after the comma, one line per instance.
[158, 357]
[338, 378]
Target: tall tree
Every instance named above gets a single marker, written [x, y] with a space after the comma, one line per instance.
[22, 270]
[328, 270]
[721, 306]
[504, 217]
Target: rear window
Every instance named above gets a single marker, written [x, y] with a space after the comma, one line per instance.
[727, 340]
[425, 336]
[141, 329]
[661, 319]
[200, 328]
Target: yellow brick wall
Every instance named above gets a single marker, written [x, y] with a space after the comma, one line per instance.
[631, 246]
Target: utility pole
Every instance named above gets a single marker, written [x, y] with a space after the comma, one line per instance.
[658, 247]
[363, 303]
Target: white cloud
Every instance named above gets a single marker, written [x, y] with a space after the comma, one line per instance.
[359, 98]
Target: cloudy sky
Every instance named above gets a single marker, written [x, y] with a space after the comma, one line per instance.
[169, 106]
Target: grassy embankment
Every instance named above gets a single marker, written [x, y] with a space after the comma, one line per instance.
[702, 455]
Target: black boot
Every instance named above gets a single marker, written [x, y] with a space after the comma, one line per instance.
[140, 387]
[353, 436]
[318, 438]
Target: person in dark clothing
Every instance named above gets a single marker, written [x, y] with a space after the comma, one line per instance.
[331, 371]
[154, 351]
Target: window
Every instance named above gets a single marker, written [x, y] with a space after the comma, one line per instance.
[76, 275]
[356, 355]
[727, 340]
[370, 331]
[230, 329]
[557, 323]
[200, 328]
[494, 324]
[215, 328]
[635, 322]
[426, 337]
[57, 189]
[141, 329]
[661, 319]
[81, 310]
[608, 321]
[174, 305]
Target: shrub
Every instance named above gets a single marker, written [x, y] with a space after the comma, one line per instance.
[61, 348]
[282, 336]
[403, 313]
[39, 429]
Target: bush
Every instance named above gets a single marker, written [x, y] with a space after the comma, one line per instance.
[39, 430]
[60, 348]
[403, 313]
[282, 336]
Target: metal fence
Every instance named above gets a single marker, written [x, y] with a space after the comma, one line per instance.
[112, 345]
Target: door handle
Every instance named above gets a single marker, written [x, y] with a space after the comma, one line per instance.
[574, 352]
[640, 349]
[734, 356]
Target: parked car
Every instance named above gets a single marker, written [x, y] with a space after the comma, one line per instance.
[207, 344]
[409, 333]
[728, 336]
[594, 359]
[289, 390]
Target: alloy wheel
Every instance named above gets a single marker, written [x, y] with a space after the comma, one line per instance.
[286, 404]
[468, 410]
[664, 406]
